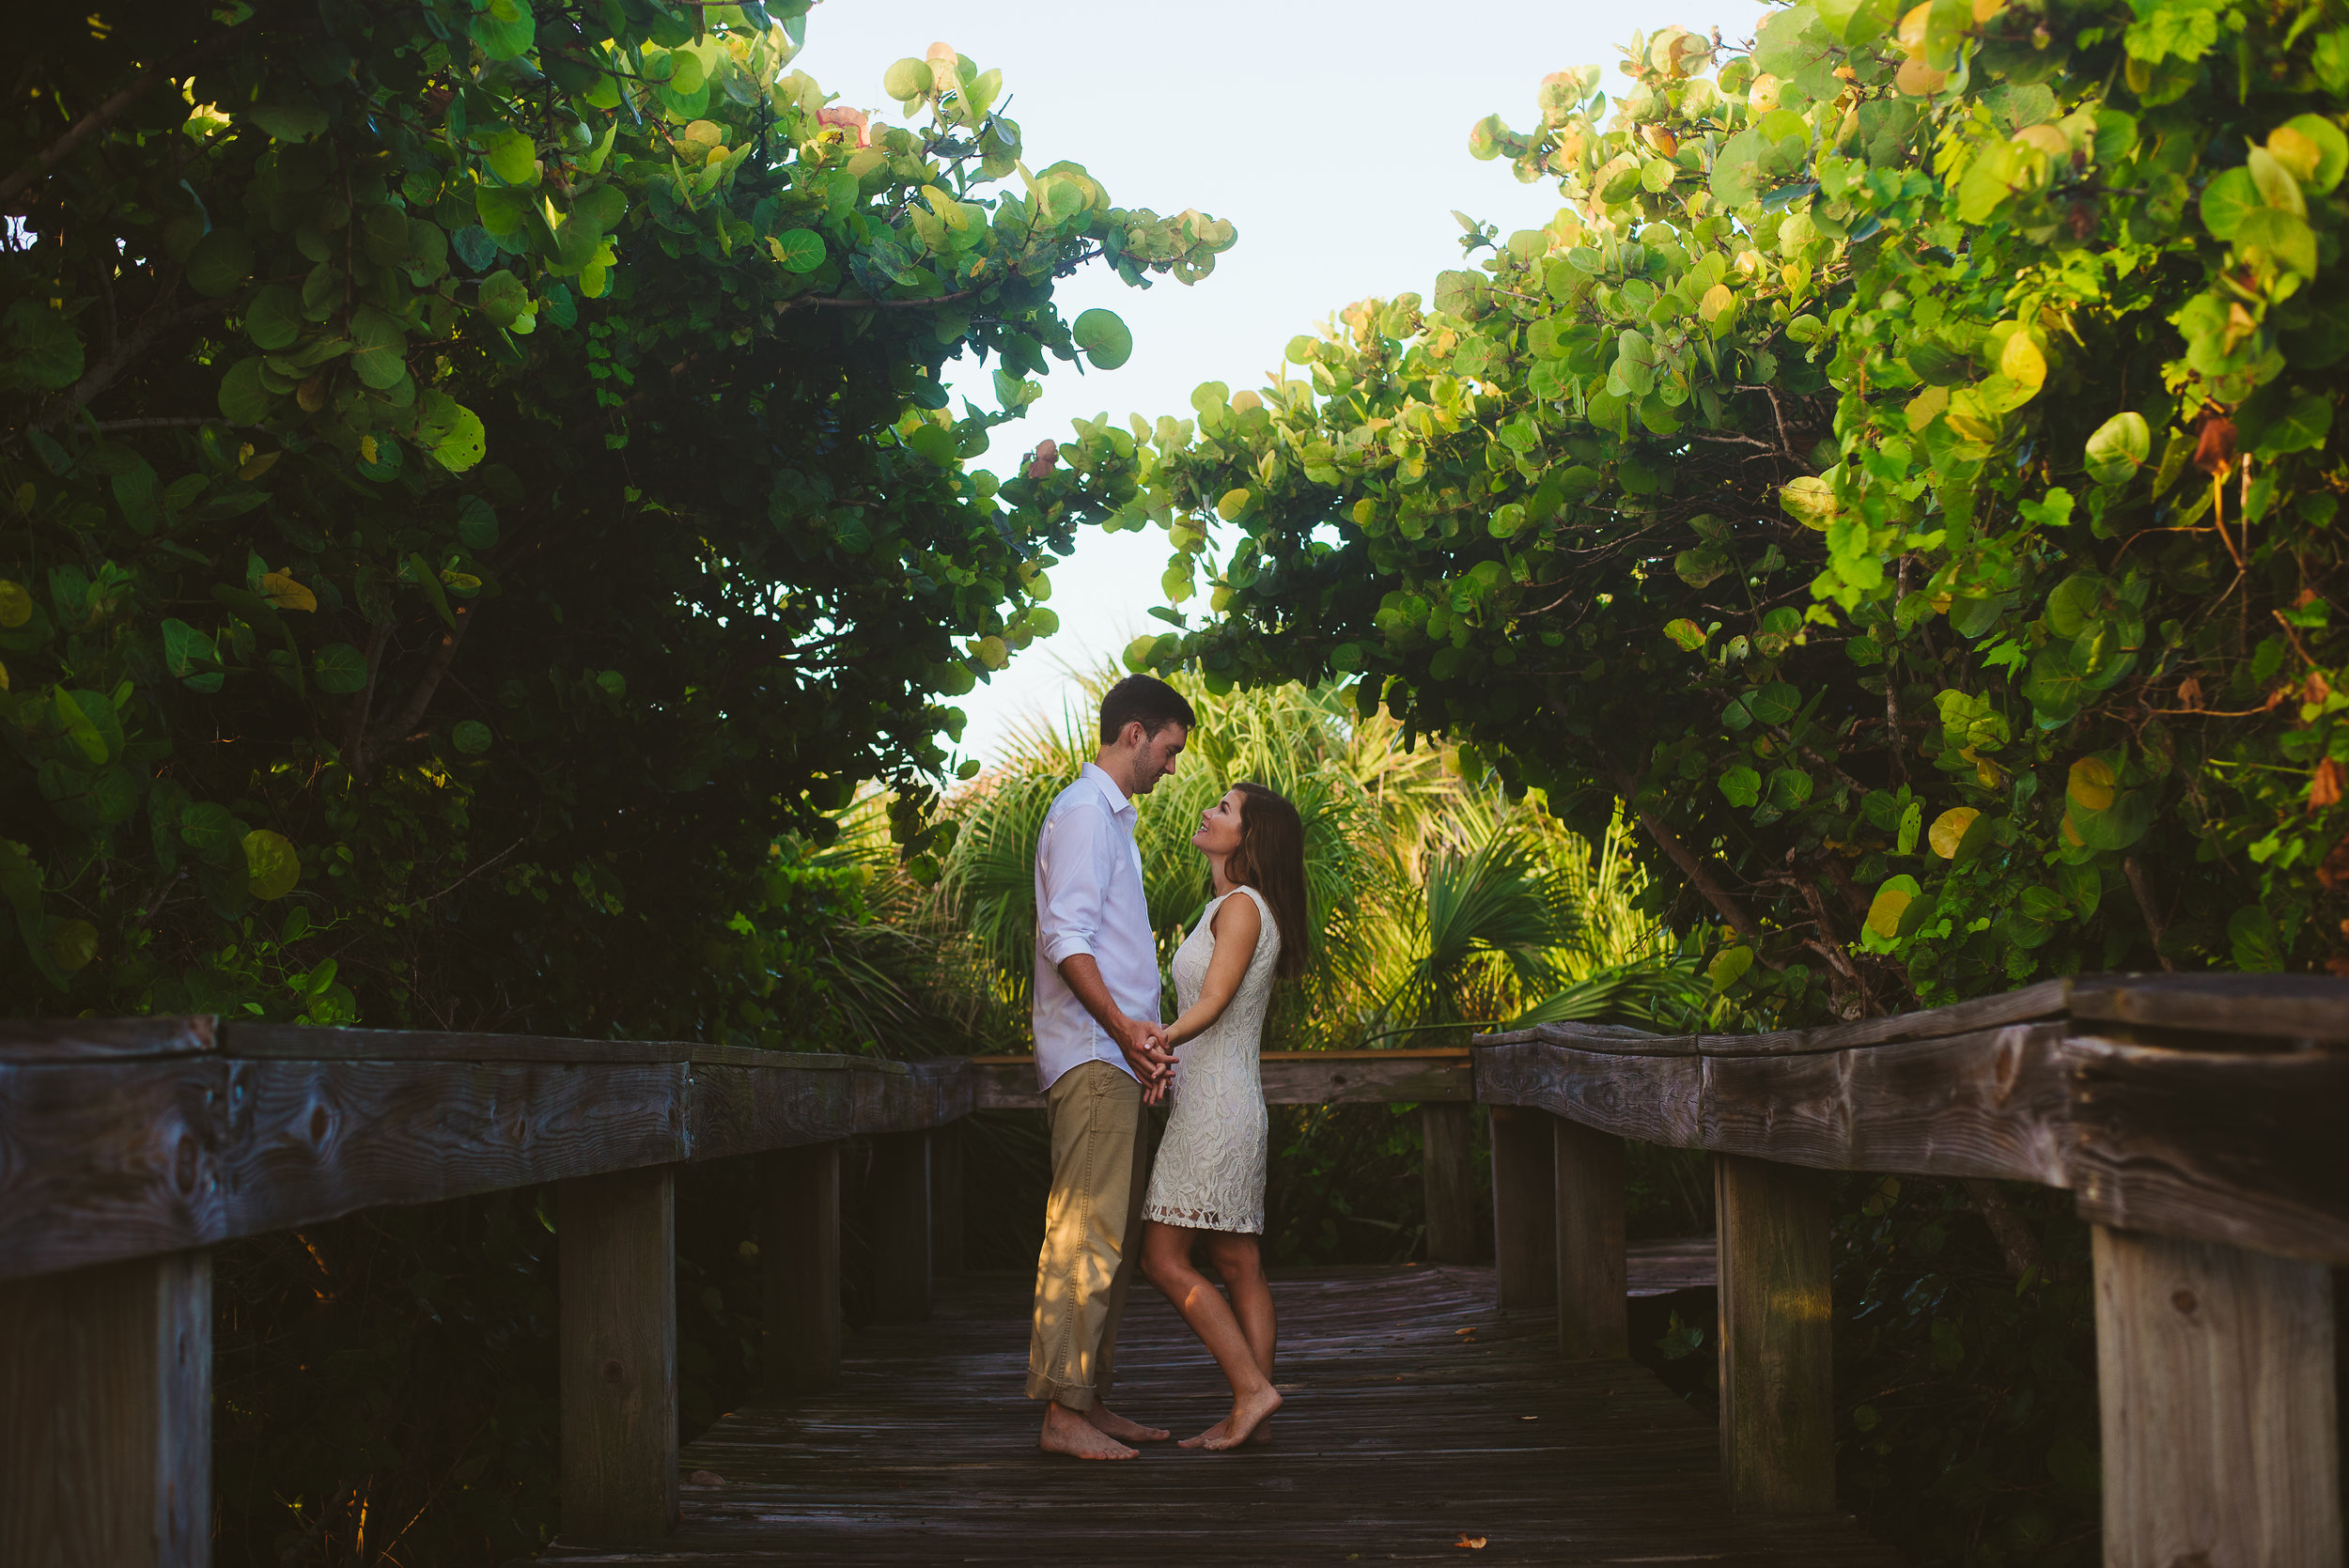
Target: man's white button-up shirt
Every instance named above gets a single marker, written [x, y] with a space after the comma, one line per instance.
[1089, 899]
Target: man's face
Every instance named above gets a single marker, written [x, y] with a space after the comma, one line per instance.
[1156, 759]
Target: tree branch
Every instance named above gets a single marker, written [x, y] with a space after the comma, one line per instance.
[436, 669]
[1691, 864]
[102, 374]
[17, 185]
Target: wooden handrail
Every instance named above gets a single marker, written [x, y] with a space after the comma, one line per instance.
[2196, 1120]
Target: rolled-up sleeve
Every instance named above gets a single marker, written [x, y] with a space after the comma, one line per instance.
[1069, 881]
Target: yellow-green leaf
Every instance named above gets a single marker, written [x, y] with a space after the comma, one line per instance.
[1950, 828]
[270, 865]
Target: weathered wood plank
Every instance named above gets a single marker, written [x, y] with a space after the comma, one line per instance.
[1991, 1103]
[1653, 1100]
[101, 1160]
[735, 1109]
[900, 1189]
[1525, 1209]
[106, 1415]
[1448, 1171]
[2214, 1385]
[1401, 1435]
[310, 1043]
[24, 1042]
[2043, 1001]
[1777, 1337]
[1289, 1078]
[2271, 1006]
[800, 1257]
[616, 1254]
[1592, 1319]
[2223, 1146]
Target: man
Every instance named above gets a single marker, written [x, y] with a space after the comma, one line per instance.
[1097, 1044]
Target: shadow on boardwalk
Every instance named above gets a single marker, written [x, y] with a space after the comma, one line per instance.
[1418, 1416]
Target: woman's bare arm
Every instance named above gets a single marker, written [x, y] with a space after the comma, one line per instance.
[1237, 925]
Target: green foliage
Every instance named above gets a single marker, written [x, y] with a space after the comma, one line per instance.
[1437, 904]
[493, 466]
[1890, 432]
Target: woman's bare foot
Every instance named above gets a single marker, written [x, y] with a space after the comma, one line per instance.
[1248, 1413]
[1068, 1432]
[1104, 1420]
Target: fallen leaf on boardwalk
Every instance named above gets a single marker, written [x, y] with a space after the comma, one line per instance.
[705, 1477]
[1474, 1542]
[1465, 1333]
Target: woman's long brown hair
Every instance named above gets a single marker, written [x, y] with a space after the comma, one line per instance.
[1272, 859]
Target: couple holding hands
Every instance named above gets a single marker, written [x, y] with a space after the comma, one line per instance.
[1102, 1056]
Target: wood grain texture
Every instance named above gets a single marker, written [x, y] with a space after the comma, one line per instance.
[106, 1415]
[311, 1043]
[1591, 1320]
[106, 1160]
[2234, 1147]
[1448, 1170]
[616, 1255]
[29, 1041]
[1525, 1200]
[1777, 1337]
[2214, 1386]
[799, 1250]
[2269, 1006]
[2044, 1001]
[1654, 1100]
[898, 1188]
[735, 1109]
[1289, 1078]
[1991, 1103]
[1400, 1435]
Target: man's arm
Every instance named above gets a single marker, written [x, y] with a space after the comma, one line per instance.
[1144, 1044]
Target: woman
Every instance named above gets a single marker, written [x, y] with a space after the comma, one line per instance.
[1208, 1182]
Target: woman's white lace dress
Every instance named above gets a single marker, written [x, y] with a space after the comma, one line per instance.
[1210, 1170]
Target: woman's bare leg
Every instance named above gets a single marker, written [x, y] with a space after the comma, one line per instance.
[1166, 1262]
[1237, 1257]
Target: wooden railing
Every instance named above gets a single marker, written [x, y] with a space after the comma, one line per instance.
[2201, 1125]
[129, 1148]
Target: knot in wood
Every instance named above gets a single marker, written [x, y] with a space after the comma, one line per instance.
[612, 1371]
[318, 1123]
[2183, 1300]
[183, 1163]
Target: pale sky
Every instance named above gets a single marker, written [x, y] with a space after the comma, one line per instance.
[1333, 135]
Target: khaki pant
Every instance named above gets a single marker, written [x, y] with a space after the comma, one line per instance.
[1091, 1232]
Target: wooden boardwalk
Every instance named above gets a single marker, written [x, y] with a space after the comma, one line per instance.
[1420, 1419]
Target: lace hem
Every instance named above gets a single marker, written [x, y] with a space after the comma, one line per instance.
[1205, 1220]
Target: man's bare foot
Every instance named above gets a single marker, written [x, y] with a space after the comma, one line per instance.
[1103, 1418]
[1248, 1413]
[1068, 1432]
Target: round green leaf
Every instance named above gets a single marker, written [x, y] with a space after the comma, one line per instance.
[2119, 448]
[1890, 902]
[2332, 150]
[220, 263]
[799, 250]
[379, 352]
[16, 605]
[2227, 200]
[243, 398]
[74, 944]
[470, 737]
[2281, 237]
[272, 317]
[271, 866]
[504, 28]
[907, 80]
[1728, 967]
[339, 669]
[1104, 338]
[514, 158]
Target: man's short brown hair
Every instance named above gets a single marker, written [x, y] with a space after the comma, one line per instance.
[1147, 700]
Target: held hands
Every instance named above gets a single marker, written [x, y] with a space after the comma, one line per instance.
[1146, 1051]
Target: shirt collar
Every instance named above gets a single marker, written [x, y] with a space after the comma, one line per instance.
[1110, 792]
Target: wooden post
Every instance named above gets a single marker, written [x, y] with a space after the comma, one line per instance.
[800, 1257]
[1777, 1337]
[106, 1415]
[1591, 1318]
[616, 1240]
[2214, 1382]
[1447, 1166]
[1525, 1202]
[900, 1185]
[946, 1199]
